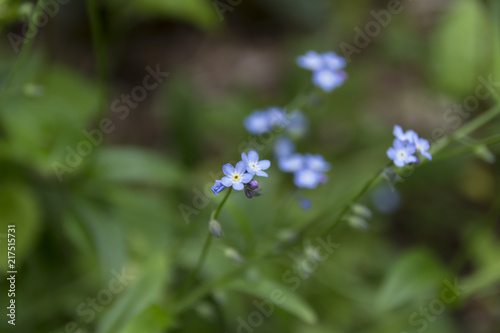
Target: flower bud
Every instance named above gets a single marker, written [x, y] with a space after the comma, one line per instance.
[253, 184]
[249, 193]
[233, 255]
[215, 228]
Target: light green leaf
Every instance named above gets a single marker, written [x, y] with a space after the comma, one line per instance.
[415, 273]
[18, 206]
[269, 290]
[135, 166]
[146, 290]
[152, 320]
[460, 47]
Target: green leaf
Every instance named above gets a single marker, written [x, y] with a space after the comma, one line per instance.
[18, 206]
[135, 166]
[40, 127]
[461, 46]
[152, 320]
[417, 272]
[268, 290]
[146, 290]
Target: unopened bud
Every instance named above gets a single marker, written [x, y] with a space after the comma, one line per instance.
[253, 184]
[249, 193]
[215, 228]
[233, 255]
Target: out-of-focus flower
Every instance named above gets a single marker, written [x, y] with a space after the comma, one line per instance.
[283, 146]
[215, 228]
[258, 123]
[402, 153]
[326, 67]
[316, 163]
[291, 163]
[307, 178]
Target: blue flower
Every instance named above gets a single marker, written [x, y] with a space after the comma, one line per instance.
[277, 117]
[235, 177]
[332, 61]
[307, 178]
[316, 163]
[328, 80]
[253, 165]
[283, 146]
[326, 67]
[258, 122]
[402, 153]
[403, 136]
[291, 163]
[311, 60]
[218, 187]
[421, 145]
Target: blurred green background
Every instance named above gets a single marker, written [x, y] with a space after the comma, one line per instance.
[81, 221]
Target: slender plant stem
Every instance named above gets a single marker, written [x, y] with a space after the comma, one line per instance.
[206, 246]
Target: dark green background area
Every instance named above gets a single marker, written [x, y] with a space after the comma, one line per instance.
[99, 188]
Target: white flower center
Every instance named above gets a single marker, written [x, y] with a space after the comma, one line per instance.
[402, 154]
[253, 166]
[236, 178]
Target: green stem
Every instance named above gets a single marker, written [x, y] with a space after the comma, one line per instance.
[206, 246]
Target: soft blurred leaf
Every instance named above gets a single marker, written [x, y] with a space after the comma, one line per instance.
[39, 129]
[152, 320]
[415, 273]
[460, 47]
[135, 166]
[264, 289]
[18, 206]
[145, 291]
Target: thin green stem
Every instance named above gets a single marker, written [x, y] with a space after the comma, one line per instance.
[206, 246]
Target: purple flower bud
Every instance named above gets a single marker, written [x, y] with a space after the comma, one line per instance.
[249, 193]
[253, 184]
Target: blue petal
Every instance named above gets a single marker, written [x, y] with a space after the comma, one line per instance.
[261, 173]
[226, 181]
[411, 149]
[327, 79]
[246, 178]
[391, 153]
[398, 132]
[333, 61]
[240, 167]
[253, 156]
[244, 158]
[427, 155]
[238, 186]
[311, 60]
[264, 164]
[398, 144]
[228, 169]
[399, 163]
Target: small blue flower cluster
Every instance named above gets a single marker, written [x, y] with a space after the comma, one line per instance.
[240, 176]
[326, 67]
[309, 170]
[406, 145]
[260, 122]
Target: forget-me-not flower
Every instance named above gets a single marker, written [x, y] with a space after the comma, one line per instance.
[421, 145]
[253, 165]
[235, 176]
[291, 163]
[258, 122]
[316, 163]
[283, 146]
[402, 153]
[307, 178]
[326, 67]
